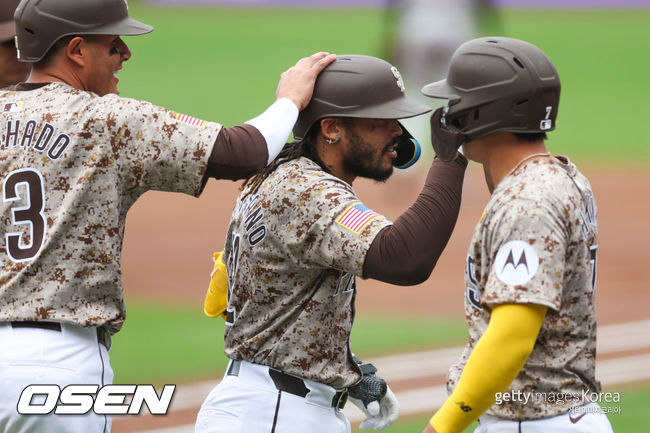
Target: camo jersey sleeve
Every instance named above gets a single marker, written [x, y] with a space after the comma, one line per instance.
[341, 228]
[154, 148]
[318, 218]
[528, 245]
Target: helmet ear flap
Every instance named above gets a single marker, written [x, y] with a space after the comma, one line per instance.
[408, 150]
[445, 141]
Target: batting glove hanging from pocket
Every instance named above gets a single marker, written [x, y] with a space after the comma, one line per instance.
[374, 398]
[215, 302]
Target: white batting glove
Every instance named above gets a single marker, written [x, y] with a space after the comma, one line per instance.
[374, 398]
[371, 411]
[379, 414]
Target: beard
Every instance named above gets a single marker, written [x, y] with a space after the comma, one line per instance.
[363, 161]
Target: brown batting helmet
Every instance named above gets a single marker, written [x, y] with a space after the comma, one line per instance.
[7, 26]
[40, 23]
[494, 84]
[364, 87]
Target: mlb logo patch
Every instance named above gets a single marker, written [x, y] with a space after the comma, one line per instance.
[12, 107]
[193, 121]
[356, 217]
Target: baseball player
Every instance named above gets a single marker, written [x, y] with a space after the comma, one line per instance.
[298, 238]
[531, 266]
[11, 70]
[75, 157]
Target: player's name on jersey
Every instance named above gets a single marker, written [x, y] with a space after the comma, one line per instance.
[253, 219]
[31, 135]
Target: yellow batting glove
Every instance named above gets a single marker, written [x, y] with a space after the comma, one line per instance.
[216, 299]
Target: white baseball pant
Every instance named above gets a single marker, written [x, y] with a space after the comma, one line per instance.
[38, 356]
[254, 398]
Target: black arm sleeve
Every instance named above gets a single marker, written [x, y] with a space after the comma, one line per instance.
[238, 153]
[406, 252]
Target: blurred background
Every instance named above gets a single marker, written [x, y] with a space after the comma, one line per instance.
[220, 60]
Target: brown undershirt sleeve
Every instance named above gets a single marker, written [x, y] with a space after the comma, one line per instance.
[238, 153]
[406, 252]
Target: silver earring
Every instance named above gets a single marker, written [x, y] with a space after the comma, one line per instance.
[330, 141]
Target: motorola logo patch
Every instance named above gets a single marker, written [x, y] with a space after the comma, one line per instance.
[516, 263]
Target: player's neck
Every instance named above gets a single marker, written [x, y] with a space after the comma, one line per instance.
[507, 155]
[52, 75]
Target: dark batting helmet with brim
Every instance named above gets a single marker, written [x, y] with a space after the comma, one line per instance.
[40, 23]
[362, 87]
[494, 84]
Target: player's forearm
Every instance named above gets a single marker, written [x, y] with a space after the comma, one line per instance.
[406, 252]
[241, 151]
[238, 153]
[275, 125]
[502, 350]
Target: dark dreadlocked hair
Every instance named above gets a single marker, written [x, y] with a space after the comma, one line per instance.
[294, 150]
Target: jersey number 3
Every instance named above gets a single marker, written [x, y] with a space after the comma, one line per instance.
[25, 184]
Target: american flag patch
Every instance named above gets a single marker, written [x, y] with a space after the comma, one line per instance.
[193, 121]
[356, 217]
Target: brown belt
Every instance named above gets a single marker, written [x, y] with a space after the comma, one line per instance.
[292, 384]
[103, 336]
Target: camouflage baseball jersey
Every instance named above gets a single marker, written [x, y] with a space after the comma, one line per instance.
[72, 164]
[292, 251]
[536, 243]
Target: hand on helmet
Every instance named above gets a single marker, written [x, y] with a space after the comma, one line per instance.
[446, 141]
[297, 82]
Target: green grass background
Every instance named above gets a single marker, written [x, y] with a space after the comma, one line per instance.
[224, 64]
[163, 343]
